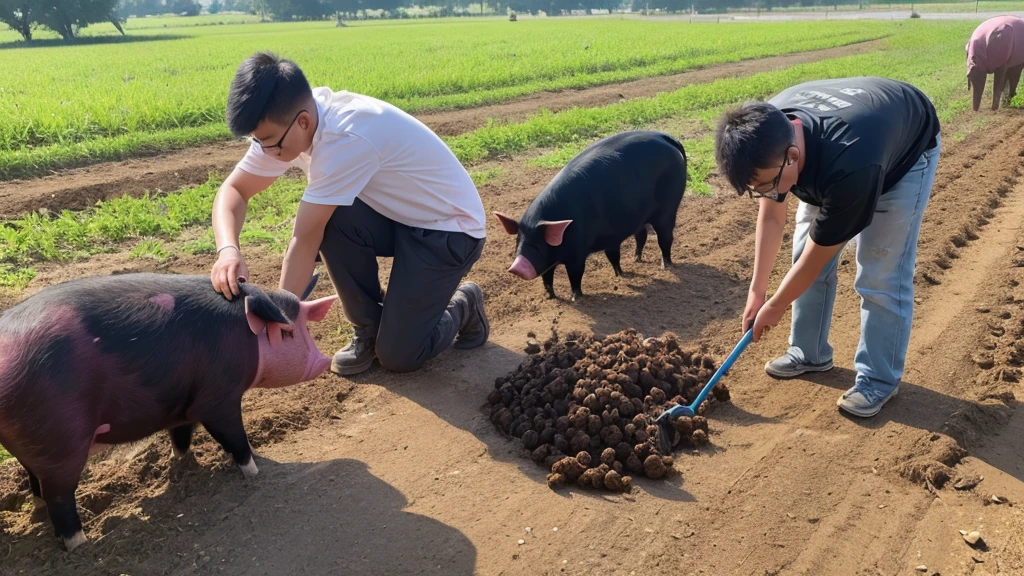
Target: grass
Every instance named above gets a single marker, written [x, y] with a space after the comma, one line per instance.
[4, 454]
[921, 55]
[72, 105]
[69, 235]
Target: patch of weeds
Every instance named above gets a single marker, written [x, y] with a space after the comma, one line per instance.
[482, 177]
[15, 276]
[150, 248]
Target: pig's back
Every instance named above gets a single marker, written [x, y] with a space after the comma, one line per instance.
[138, 346]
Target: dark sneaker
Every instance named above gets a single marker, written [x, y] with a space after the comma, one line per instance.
[786, 366]
[475, 329]
[355, 358]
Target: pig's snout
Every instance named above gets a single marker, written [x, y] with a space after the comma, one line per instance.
[522, 268]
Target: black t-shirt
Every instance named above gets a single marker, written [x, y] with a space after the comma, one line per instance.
[862, 136]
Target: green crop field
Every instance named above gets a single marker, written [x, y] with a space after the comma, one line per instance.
[67, 105]
[918, 52]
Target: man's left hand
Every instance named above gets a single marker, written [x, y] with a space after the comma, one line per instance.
[769, 315]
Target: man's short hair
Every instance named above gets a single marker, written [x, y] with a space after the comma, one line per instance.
[265, 86]
[752, 136]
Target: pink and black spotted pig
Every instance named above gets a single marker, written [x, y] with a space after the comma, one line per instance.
[107, 360]
[996, 47]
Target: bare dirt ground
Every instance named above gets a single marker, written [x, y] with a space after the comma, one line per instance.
[405, 474]
[83, 187]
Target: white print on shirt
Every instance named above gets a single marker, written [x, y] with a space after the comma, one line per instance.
[816, 100]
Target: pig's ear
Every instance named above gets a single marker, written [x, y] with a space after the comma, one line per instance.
[507, 222]
[260, 310]
[553, 231]
[317, 309]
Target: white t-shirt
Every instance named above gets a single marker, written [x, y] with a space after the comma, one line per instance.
[395, 164]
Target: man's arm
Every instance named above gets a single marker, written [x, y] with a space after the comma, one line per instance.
[300, 258]
[229, 210]
[848, 208]
[771, 223]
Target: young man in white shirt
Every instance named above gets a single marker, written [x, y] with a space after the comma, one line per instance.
[380, 183]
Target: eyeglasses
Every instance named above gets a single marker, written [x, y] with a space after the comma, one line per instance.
[771, 192]
[278, 145]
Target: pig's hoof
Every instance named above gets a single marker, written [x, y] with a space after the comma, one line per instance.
[75, 541]
[577, 296]
[250, 470]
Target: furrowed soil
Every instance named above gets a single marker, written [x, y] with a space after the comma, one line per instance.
[405, 474]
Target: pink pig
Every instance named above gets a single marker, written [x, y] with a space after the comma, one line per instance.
[107, 360]
[996, 47]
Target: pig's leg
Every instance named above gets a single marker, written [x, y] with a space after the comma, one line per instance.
[33, 483]
[998, 85]
[614, 254]
[61, 505]
[549, 282]
[641, 240]
[575, 272]
[181, 439]
[1012, 80]
[663, 229]
[230, 434]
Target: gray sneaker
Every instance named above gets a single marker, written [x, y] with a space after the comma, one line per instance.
[355, 358]
[865, 400]
[475, 329]
[786, 366]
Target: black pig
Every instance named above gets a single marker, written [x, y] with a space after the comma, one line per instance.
[610, 191]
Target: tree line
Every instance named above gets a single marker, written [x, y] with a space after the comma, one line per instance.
[66, 17]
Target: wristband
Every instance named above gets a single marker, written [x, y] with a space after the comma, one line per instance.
[226, 247]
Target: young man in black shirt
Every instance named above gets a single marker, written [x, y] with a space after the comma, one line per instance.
[860, 154]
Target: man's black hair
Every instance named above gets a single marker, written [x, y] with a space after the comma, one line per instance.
[752, 136]
[265, 86]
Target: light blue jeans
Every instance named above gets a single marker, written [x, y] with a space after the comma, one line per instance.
[886, 257]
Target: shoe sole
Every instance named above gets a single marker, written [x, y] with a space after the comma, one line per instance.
[788, 375]
[478, 295]
[863, 413]
[352, 370]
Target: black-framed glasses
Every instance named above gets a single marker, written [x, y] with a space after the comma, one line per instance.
[283, 136]
[771, 192]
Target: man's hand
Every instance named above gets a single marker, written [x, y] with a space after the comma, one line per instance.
[755, 300]
[226, 271]
[229, 208]
[767, 317]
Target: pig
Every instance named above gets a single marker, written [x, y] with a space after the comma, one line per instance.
[99, 361]
[996, 47]
[610, 191]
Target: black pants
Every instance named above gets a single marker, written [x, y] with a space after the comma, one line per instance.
[412, 323]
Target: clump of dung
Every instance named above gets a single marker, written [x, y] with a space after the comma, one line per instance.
[584, 408]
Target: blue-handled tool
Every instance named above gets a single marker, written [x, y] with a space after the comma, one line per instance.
[666, 431]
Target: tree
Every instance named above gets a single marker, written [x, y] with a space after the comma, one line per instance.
[184, 7]
[215, 7]
[20, 15]
[66, 17]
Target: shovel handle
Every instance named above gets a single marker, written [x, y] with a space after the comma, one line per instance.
[682, 410]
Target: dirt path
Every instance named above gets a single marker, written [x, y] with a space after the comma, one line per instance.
[405, 474]
[81, 187]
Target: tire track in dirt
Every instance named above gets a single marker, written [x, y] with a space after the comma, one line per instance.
[79, 188]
